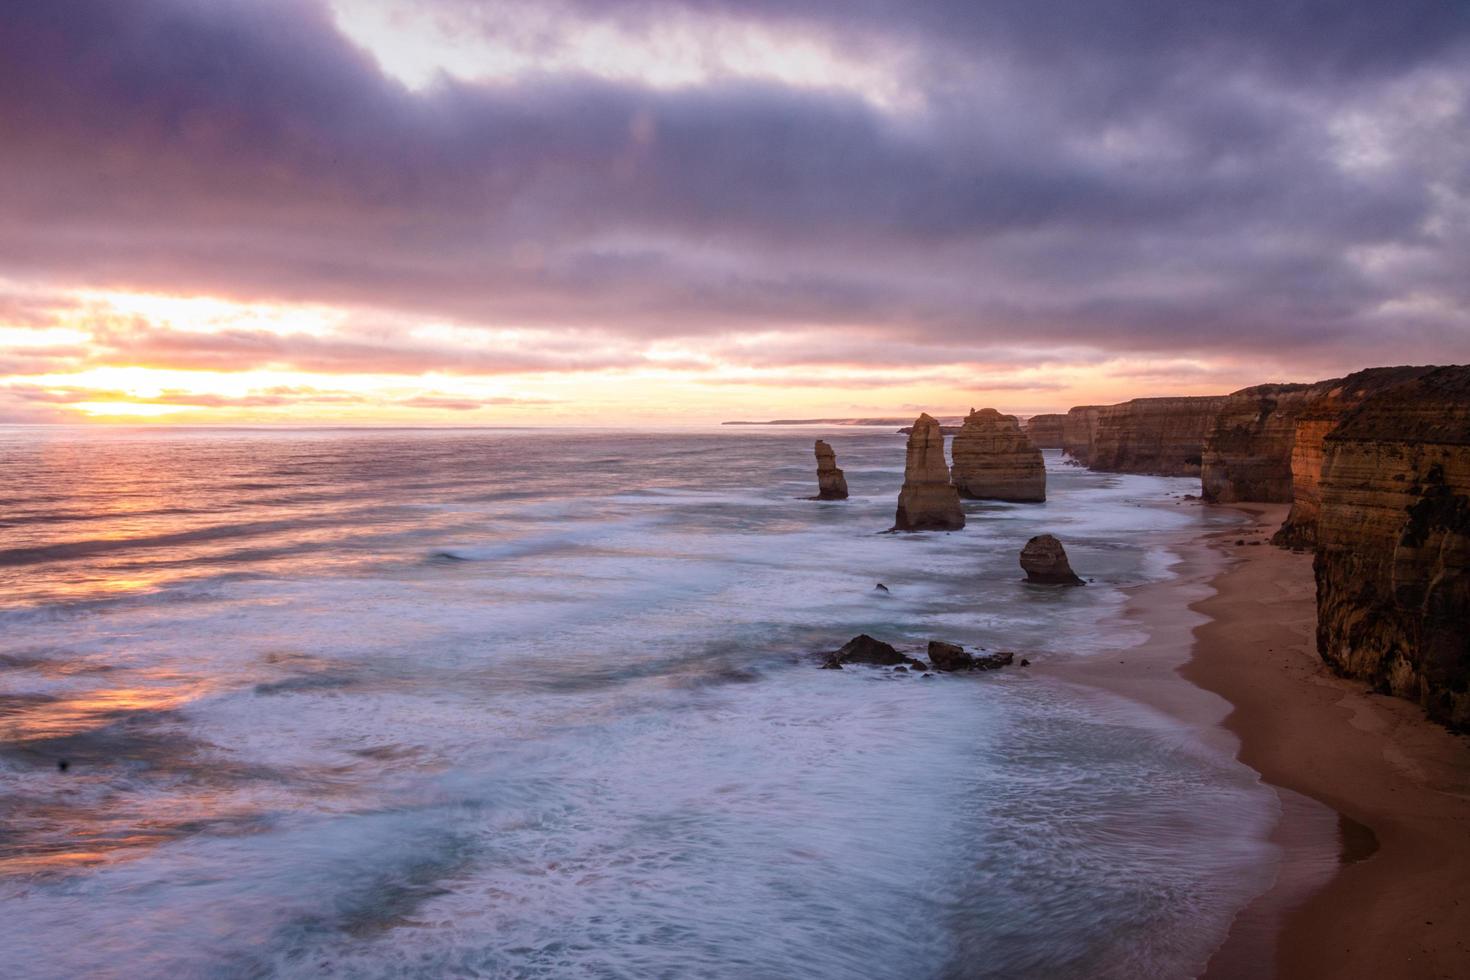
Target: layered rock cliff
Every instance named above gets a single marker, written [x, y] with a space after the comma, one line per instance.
[1247, 449]
[1393, 549]
[831, 483]
[993, 460]
[927, 501]
[1045, 431]
[1157, 436]
[1079, 431]
[1328, 402]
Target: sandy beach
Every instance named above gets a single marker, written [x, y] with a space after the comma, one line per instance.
[1402, 910]
[1374, 879]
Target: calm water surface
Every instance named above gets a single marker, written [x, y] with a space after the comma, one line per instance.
[541, 704]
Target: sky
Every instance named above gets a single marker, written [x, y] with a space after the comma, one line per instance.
[660, 211]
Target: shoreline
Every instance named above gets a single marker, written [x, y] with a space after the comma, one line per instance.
[1398, 904]
[1373, 827]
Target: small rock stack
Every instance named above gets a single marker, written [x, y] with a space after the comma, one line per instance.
[831, 484]
[1045, 562]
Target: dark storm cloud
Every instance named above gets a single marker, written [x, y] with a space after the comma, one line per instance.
[1155, 176]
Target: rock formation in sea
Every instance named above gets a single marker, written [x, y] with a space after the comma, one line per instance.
[1328, 403]
[1247, 450]
[864, 649]
[1045, 562]
[1045, 431]
[1156, 436]
[831, 484]
[993, 460]
[1079, 431]
[1393, 543]
[927, 501]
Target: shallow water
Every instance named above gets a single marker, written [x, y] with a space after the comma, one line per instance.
[542, 704]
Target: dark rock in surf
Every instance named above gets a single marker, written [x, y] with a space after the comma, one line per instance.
[1045, 562]
[949, 656]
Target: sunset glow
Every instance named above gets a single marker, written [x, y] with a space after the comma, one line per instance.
[569, 213]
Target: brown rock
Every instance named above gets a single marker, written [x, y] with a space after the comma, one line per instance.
[1393, 544]
[993, 460]
[995, 661]
[864, 649]
[928, 501]
[1079, 432]
[1045, 562]
[1330, 401]
[1157, 436]
[949, 656]
[1247, 451]
[1045, 431]
[831, 484]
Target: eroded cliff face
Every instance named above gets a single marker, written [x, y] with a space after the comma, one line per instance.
[993, 460]
[1247, 448]
[1326, 405]
[1157, 436]
[1045, 431]
[1079, 431]
[1393, 548]
[927, 501]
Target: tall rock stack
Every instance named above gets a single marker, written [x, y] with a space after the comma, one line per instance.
[1155, 436]
[1079, 431]
[1247, 450]
[993, 460]
[928, 501]
[831, 484]
[1393, 544]
[1328, 404]
[1045, 431]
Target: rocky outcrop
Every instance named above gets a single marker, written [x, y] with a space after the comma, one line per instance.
[1079, 432]
[1045, 562]
[927, 501]
[1156, 436]
[1247, 450]
[831, 484]
[1045, 431]
[864, 649]
[1328, 403]
[949, 656]
[1393, 543]
[993, 460]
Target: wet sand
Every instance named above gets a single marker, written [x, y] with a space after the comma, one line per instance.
[1374, 827]
[1399, 904]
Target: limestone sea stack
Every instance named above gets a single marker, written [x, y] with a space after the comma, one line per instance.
[1393, 544]
[993, 460]
[831, 484]
[1045, 431]
[1045, 562]
[927, 501]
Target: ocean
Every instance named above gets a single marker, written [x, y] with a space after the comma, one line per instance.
[545, 703]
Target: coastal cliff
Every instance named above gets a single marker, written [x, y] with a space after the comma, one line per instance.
[1079, 431]
[1156, 436]
[1327, 404]
[1247, 449]
[993, 460]
[1393, 543]
[1045, 431]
